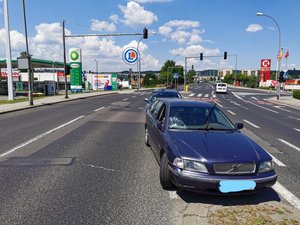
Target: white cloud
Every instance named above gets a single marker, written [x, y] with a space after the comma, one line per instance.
[102, 26]
[180, 36]
[254, 28]
[151, 1]
[114, 18]
[135, 15]
[48, 33]
[17, 43]
[194, 51]
[165, 30]
[183, 24]
[182, 31]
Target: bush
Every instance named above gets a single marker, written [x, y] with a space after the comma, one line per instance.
[296, 94]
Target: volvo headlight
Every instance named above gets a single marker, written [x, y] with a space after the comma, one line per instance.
[190, 165]
[265, 166]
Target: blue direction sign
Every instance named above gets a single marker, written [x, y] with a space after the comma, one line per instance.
[130, 55]
[175, 75]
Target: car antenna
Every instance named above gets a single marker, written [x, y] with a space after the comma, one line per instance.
[209, 115]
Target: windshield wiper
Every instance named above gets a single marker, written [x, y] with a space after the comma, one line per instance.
[209, 115]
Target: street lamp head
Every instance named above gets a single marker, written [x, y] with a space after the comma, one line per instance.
[260, 14]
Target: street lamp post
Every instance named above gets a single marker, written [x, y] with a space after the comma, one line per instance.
[139, 63]
[96, 72]
[279, 49]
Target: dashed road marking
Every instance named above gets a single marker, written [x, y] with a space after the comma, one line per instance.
[292, 117]
[280, 107]
[39, 137]
[277, 161]
[289, 144]
[252, 124]
[96, 110]
[297, 129]
[254, 98]
[231, 112]
[220, 105]
[125, 99]
[191, 95]
[199, 95]
[206, 96]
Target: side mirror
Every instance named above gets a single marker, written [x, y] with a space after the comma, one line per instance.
[147, 100]
[239, 126]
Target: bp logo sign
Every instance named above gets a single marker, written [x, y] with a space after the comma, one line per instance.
[74, 55]
[130, 55]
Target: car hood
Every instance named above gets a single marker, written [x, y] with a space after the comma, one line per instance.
[217, 146]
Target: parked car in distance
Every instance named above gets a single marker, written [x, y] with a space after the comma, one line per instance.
[162, 93]
[221, 88]
[200, 149]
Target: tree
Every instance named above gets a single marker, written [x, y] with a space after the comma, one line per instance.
[150, 79]
[190, 76]
[169, 66]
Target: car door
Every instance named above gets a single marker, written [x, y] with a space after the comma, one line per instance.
[158, 130]
[151, 121]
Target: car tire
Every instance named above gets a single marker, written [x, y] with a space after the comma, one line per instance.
[147, 137]
[164, 173]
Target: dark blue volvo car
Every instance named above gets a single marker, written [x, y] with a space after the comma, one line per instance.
[200, 149]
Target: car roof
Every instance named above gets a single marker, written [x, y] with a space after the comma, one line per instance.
[186, 102]
[164, 90]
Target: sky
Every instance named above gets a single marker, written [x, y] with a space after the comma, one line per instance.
[177, 29]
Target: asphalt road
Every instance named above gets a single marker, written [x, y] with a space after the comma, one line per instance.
[85, 162]
[274, 125]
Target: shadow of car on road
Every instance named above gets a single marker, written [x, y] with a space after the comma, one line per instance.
[254, 198]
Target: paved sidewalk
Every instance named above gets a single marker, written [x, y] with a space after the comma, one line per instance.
[4, 108]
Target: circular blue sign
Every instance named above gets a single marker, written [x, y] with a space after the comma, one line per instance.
[130, 55]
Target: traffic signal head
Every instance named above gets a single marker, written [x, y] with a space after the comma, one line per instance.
[225, 55]
[281, 78]
[145, 33]
[201, 56]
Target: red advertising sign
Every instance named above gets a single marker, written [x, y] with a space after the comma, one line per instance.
[265, 70]
[16, 74]
[60, 73]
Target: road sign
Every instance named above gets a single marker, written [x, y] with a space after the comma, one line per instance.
[130, 55]
[175, 75]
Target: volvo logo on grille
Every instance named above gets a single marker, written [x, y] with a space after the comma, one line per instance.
[234, 168]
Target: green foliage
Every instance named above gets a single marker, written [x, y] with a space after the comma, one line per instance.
[296, 94]
[164, 75]
[247, 81]
[190, 76]
[150, 80]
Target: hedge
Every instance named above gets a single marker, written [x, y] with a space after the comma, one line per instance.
[296, 94]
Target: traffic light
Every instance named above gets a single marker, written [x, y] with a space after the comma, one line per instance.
[225, 55]
[281, 78]
[68, 70]
[145, 33]
[201, 56]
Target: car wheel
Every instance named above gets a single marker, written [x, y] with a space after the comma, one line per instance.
[146, 137]
[164, 173]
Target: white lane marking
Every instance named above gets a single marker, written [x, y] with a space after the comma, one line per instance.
[277, 161]
[231, 112]
[294, 118]
[212, 92]
[125, 99]
[206, 96]
[214, 96]
[297, 129]
[199, 95]
[96, 110]
[254, 98]
[173, 195]
[237, 96]
[134, 96]
[280, 107]
[191, 95]
[235, 103]
[289, 144]
[252, 124]
[263, 107]
[39, 136]
[220, 105]
[290, 197]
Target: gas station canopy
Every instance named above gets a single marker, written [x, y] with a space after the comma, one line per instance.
[36, 63]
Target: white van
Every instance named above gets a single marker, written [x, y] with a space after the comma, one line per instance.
[221, 88]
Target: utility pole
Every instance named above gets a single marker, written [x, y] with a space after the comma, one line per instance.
[65, 60]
